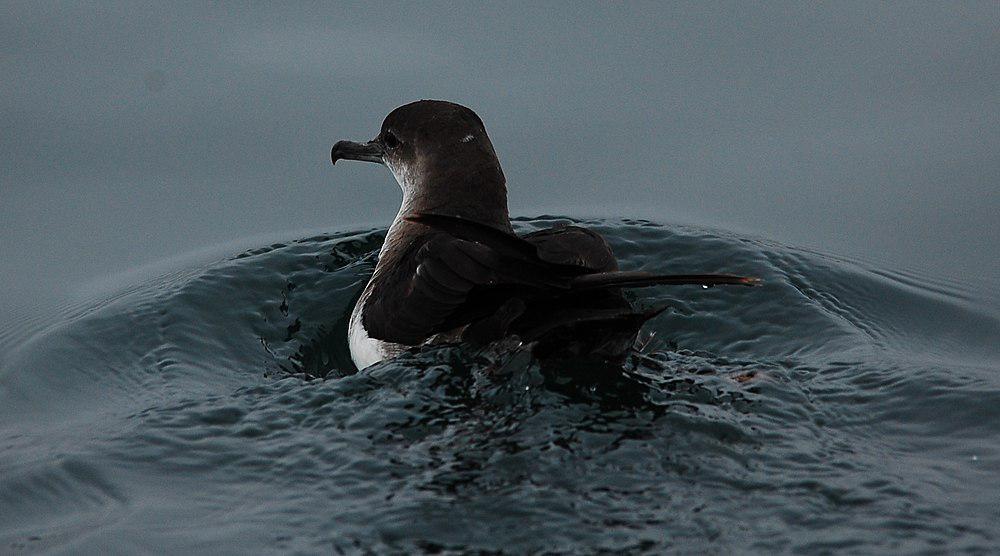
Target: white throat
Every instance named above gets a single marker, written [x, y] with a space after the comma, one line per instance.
[406, 178]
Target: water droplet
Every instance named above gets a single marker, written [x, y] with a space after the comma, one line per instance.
[704, 286]
[975, 458]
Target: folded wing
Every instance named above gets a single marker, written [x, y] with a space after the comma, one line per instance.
[464, 273]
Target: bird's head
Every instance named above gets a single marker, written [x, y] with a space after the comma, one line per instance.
[440, 155]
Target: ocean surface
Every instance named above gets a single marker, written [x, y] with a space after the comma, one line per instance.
[209, 405]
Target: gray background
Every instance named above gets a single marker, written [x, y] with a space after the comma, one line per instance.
[133, 133]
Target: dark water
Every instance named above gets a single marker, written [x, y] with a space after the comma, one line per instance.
[837, 407]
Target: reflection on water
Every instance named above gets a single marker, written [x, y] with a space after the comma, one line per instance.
[835, 407]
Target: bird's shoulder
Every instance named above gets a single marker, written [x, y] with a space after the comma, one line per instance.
[437, 279]
[427, 281]
[574, 245]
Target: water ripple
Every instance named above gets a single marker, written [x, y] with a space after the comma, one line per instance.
[838, 407]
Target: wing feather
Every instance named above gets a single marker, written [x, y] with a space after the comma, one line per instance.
[461, 272]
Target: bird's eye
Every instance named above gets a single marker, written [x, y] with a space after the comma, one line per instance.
[389, 140]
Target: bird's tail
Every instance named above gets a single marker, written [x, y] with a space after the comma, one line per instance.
[639, 279]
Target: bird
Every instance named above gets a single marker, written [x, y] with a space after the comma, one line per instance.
[452, 268]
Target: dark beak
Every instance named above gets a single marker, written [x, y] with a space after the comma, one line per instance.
[349, 150]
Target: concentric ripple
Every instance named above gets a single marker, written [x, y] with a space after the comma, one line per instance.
[216, 409]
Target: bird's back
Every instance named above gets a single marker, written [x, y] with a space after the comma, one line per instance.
[455, 279]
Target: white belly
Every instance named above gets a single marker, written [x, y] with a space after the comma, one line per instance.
[365, 350]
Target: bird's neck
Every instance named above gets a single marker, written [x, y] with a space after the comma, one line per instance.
[483, 206]
[474, 193]
[494, 213]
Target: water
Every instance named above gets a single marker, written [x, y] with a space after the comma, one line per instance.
[837, 407]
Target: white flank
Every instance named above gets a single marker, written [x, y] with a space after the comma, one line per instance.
[365, 351]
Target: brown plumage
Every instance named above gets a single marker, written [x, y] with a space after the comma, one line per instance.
[452, 268]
